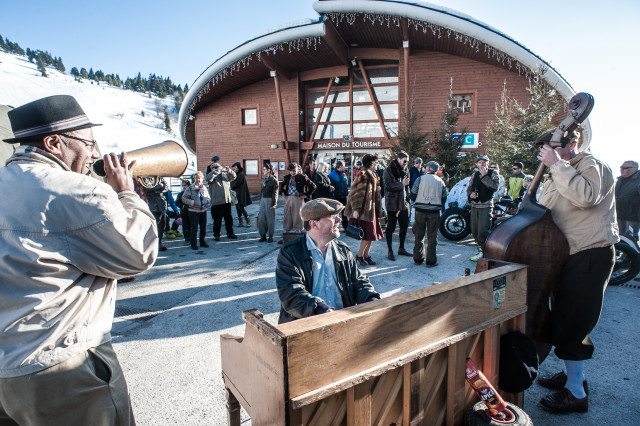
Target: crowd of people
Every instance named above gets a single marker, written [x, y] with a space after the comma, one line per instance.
[59, 270]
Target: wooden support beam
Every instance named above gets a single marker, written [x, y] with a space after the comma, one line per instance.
[405, 48]
[359, 404]
[335, 42]
[376, 107]
[281, 108]
[271, 64]
[318, 119]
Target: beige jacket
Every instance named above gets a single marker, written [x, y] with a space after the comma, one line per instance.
[64, 242]
[580, 194]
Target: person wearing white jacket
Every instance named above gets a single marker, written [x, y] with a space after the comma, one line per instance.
[64, 242]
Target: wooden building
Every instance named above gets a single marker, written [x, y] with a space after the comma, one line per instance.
[337, 87]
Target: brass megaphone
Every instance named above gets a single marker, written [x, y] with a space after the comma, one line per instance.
[166, 159]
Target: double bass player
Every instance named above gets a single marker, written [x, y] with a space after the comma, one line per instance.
[580, 194]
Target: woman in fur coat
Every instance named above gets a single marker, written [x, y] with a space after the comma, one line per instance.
[364, 207]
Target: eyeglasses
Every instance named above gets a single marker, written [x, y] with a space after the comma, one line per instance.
[88, 142]
[625, 168]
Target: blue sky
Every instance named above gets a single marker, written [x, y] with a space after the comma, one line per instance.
[593, 44]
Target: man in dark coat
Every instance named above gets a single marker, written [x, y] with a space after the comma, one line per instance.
[628, 198]
[396, 190]
[317, 273]
[158, 206]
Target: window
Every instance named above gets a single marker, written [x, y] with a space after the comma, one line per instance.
[462, 103]
[250, 117]
[349, 109]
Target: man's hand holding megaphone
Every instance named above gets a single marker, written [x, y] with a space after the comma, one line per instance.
[119, 172]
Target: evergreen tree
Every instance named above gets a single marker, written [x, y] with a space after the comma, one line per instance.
[41, 68]
[167, 121]
[512, 134]
[186, 88]
[59, 65]
[3, 45]
[446, 144]
[411, 138]
[92, 76]
[75, 72]
[84, 73]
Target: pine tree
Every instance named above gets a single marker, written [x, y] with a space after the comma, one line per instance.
[411, 138]
[167, 121]
[446, 144]
[3, 45]
[59, 65]
[511, 136]
[74, 72]
[41, 68]
[92, 76]
[84, 73]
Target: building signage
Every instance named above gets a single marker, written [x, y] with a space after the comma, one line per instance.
[351, 144]
[471, 140]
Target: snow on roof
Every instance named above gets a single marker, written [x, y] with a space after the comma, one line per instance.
[416, 9]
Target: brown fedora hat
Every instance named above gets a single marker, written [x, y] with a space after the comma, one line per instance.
[47, 116]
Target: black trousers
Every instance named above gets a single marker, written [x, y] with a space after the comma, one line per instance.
[240, 210]
[219, 212]
[197, 219]
[400, 217]
[186, 224]
[576, 302]
[161, 221]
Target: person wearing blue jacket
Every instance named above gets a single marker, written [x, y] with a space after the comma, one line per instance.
[341, 184]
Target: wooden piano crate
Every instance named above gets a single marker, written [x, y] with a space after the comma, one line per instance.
[399, 360]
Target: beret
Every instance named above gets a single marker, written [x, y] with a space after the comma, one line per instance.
[319, 208]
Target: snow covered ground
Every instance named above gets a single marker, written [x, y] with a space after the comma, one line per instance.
[124, 128]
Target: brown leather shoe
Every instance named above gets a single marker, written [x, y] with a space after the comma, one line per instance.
[564, 402]
[403, 252]
[557, 382]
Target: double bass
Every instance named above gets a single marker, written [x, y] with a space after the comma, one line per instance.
[532, 238]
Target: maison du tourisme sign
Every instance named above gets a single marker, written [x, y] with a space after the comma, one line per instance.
[471, 140]
[349, 144]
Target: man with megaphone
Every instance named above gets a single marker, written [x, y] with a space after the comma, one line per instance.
[64, 242]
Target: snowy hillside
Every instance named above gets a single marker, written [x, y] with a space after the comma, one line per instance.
[124, 128]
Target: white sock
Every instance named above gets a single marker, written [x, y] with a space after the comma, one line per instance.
[575, 377]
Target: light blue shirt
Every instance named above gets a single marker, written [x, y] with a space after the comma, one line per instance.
[325, 282]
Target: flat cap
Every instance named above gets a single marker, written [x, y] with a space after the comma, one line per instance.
[432, 165]
[319, 208]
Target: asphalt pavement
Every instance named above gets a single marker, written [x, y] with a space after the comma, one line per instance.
[169, 321]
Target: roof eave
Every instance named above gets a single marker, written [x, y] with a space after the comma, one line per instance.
[314, 29]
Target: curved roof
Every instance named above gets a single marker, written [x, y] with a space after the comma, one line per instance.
[432, 27]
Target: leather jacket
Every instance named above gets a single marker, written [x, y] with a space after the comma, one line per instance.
[294, 280]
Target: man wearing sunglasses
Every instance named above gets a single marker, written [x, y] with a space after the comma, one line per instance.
[516, 180]
[64, 242]
[628, 198]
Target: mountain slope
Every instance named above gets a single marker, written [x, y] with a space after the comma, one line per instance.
[124, 128]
